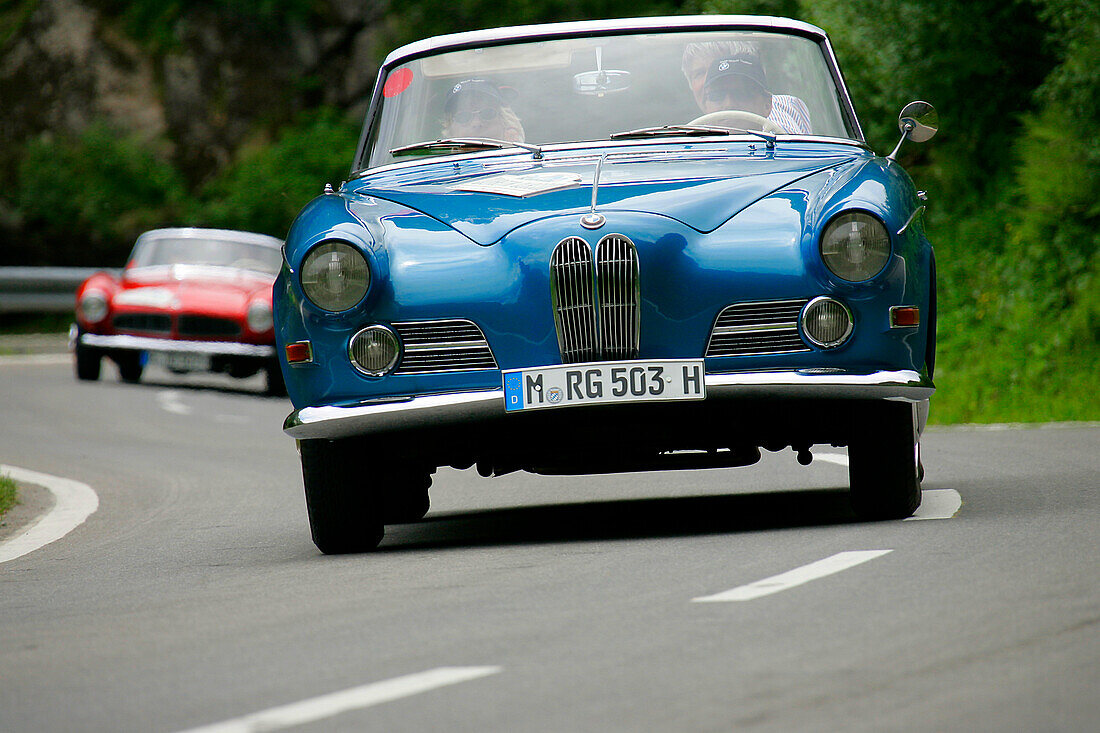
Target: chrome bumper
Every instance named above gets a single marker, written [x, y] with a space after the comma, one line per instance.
[144, 343]
[379, 416]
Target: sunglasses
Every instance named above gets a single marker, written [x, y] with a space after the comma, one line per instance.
[488, 114]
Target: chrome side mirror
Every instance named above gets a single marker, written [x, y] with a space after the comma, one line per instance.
[918, 122]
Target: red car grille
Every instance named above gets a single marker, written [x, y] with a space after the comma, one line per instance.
[143, 323]
[192, 325]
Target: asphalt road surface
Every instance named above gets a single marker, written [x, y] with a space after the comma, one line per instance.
[739, 599]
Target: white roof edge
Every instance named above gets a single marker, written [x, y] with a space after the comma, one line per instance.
[658, 23]
[234, 235]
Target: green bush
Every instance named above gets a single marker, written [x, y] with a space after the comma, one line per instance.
[99, 190]
[268, 183]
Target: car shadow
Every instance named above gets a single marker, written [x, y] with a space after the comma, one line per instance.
[624, 519]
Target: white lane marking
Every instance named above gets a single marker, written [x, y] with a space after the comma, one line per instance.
[326, 706]
[793, 578]
[169, 400]
[75, 503]
[937, 504]
[934, 503]
[838, 458]
[35, 359]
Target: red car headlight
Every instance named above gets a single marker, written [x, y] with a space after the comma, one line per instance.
[93, 306]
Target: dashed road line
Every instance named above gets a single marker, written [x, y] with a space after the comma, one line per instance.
[355, 698]
[35, 359]
[75, 503]
[794, 578]
[934, 504]
[169, 401]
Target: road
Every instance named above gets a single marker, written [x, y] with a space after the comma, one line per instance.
[194, 595]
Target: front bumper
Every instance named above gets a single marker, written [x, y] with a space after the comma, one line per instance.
[145, 343]
[441, 410]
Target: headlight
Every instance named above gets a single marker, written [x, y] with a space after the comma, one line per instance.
[855, 246]
[93, 306]
[335, 276]
[259, 316]
[374, 350]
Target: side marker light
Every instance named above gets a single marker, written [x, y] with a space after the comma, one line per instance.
[300, 352]
[902, 316]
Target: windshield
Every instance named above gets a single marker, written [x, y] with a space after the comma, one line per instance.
[590, 88]
[163, 251]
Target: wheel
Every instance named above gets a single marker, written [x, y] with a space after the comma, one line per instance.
[344, 515]
[276, 387]
[882, 464]
[406, 498]
[86, 361]
[129, 366]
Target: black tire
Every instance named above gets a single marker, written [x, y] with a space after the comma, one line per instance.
[344, 515]
[276, 387]
[882, 464]
[405, 498]
[86, 362]
[129, 366]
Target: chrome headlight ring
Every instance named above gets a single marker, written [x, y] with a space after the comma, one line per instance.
[826, 322]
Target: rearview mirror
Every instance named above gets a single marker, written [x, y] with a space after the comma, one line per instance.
[601, 82]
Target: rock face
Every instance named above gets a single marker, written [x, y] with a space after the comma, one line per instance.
[68, 63]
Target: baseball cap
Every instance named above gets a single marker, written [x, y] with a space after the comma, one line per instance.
[742, 65]
[470, 86]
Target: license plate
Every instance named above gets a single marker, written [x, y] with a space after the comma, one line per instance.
[180, 361]
[599, 383]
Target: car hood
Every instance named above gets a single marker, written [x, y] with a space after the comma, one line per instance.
[216, 290]
[486, 200]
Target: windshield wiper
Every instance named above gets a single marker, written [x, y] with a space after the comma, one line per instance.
[692, 130]
[455, 144]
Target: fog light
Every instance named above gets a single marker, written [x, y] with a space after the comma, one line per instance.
[374, 350]
[826, 322]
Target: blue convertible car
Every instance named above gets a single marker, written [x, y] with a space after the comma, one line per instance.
[607, 246]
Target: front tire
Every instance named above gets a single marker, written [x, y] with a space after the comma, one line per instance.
[129, 366]
[276, 387]
[86, 361]
[883, 464]
[344, 515]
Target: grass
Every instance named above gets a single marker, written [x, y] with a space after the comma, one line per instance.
[8, 494]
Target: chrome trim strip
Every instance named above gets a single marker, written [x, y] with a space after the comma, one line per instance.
[916, 212]
[143, 343]
[333, 421]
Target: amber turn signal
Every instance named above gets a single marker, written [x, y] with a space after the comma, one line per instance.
[299, 352]
[904, 315]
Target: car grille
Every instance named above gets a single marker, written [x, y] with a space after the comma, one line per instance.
[595, 303]
[766, 327]
[192, 325]
[453, 345]
[143, 322]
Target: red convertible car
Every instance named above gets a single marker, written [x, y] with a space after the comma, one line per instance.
[189, 300]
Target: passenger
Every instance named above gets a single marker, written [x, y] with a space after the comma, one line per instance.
[479, 108]
[728, 75]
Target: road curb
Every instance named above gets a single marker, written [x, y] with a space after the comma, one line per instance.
[74, 503]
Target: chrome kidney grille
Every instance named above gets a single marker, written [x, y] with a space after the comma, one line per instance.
[763, 327]
[571, 291]
[596, 303]
[617, 294]
[449, 345]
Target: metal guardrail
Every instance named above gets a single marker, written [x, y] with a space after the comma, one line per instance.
[42, 289]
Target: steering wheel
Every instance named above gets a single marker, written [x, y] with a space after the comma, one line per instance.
[739, 118]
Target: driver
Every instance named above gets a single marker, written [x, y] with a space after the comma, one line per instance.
[729, 76]
[479, 108]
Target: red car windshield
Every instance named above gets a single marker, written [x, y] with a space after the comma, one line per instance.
[167, 251]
